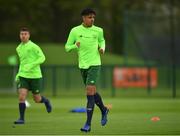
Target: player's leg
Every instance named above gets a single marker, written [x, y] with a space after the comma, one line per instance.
[41, 99]
[97, 97]
[23, 92]
[104, 110]
[99, 102]
[35, 88]
[95, 71]
[90, 81]
[22, 106]
[90, 89]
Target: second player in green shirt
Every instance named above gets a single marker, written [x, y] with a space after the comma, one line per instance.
[91, 39]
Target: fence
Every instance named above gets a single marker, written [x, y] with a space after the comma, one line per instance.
[153, 37]
[66, 78]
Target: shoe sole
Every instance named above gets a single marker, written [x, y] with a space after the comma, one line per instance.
[19, 123]
[83, 130]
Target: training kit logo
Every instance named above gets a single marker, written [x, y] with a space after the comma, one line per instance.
[92, 81]
[89, 109]
[37, 91]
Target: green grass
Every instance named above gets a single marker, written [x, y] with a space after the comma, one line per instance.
[127, 116]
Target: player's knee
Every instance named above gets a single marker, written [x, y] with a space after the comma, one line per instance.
[37, 99]
[91, 89]
[22, 97]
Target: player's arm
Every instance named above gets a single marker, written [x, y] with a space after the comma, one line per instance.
[16, 78]
[101, 42]
[71, 42]
[17, 75]
[40, 58]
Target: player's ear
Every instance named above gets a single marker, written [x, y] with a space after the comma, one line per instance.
[83, 18]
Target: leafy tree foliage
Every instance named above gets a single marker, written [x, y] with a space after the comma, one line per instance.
[51, 20]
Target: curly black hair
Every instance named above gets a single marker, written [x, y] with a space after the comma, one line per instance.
[87, 11]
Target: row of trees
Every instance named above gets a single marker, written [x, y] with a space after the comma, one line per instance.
[51, 20]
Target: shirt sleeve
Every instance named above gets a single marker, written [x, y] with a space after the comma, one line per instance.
[70, 44]
[40, 56]
[101, 40]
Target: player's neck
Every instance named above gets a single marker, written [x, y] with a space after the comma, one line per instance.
[24, 42]
[85, 25]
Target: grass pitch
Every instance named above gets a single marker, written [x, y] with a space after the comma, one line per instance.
[128, 116]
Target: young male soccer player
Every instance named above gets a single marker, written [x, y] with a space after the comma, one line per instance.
[89, 42]
[29, 74]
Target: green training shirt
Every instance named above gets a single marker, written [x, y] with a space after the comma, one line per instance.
[91, 39]
[30, 57]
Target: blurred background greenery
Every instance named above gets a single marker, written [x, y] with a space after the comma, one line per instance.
[51, 20]
[138, 33]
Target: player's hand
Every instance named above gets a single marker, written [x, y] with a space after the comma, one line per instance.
[101, 51]
[17, 78]
[78, 44]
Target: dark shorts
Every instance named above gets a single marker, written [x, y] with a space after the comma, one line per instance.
[90, 75]
[32, 84]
